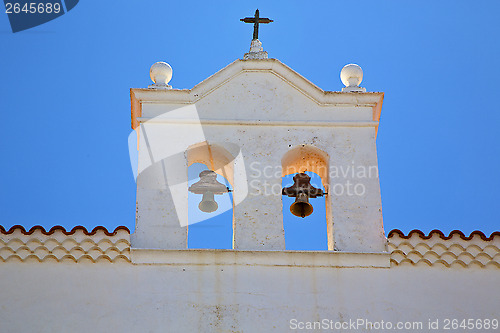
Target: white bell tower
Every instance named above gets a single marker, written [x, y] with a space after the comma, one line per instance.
[255, 115]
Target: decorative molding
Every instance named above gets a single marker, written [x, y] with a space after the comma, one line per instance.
[260, 258]
[245, 122]
[273, 66]
[437, 249]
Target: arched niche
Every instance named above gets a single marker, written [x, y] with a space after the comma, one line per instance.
[303, 158]
[218, 157]
[306, 158]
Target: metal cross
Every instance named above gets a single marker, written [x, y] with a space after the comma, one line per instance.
[256, 20]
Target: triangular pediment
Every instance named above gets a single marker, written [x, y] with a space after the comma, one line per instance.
[245, 89]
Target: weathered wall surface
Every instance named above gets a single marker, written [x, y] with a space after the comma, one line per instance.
[81, 281]
[54, 297]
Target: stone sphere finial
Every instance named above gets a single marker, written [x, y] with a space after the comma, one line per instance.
[161, 74]
[351, 76]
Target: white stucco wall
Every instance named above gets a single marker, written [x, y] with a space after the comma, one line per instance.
[237, 297]
[81, 281]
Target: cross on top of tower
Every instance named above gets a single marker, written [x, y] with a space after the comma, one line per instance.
[256, 20]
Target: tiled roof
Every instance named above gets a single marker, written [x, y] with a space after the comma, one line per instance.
[437, 249]
[58, 228]
[100, 245]
[58, 245]
[443, 236]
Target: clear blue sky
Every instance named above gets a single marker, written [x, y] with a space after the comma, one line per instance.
[66, 110]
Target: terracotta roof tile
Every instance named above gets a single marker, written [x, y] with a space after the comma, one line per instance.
[442, 235]
[58, 245]
[61, 229]
[436, 249]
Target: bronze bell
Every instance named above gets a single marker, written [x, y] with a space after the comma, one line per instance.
[302, 190]
[208, 186]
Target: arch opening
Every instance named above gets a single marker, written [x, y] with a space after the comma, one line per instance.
[210, 230]
[312, 232]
